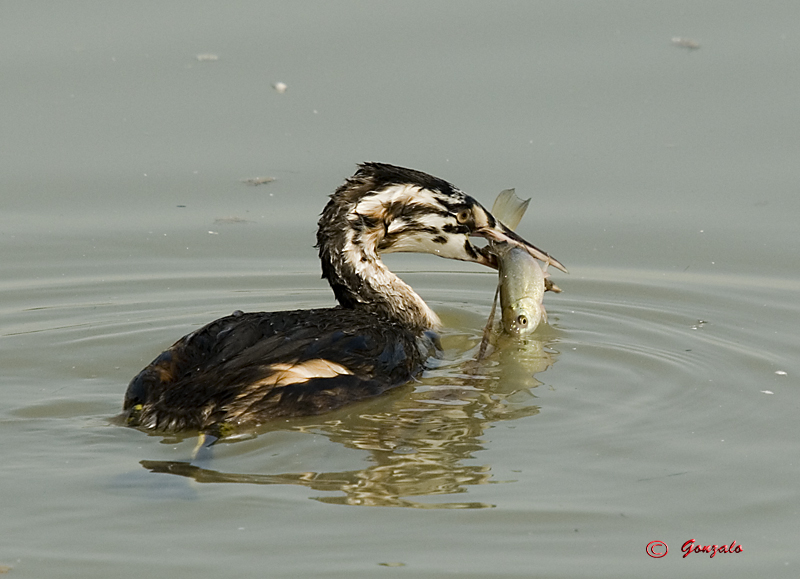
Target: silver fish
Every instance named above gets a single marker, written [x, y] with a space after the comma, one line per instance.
[522, 286]
[522, 282]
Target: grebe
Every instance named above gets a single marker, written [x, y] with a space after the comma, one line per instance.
[248, 368]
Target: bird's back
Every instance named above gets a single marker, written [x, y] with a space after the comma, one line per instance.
[244, 369]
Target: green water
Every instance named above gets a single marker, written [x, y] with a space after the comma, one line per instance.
[659, 404]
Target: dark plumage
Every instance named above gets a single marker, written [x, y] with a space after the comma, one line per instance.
[245, 369]
[231, 371]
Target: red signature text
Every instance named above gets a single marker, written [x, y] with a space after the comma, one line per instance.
[690, 546]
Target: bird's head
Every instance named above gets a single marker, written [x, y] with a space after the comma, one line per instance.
[384, 209]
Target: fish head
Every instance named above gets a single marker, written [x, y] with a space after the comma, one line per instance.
[523, 316]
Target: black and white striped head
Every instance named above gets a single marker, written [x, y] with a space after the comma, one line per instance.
[384, 209]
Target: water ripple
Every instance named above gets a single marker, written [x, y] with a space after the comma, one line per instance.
[627, 356]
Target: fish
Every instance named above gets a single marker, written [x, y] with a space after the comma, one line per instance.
[522, 281]
[521, 286]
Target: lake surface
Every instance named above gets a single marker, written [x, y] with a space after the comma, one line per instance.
[660, 404]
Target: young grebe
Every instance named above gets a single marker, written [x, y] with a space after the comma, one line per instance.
[248, 368]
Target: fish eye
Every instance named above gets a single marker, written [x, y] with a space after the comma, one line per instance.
[463, 216]
[522, 320]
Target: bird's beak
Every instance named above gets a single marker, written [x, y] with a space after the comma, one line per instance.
[488, 227]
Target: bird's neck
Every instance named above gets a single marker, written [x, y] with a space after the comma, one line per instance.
[360, 279]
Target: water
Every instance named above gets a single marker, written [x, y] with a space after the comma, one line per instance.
[660, 403]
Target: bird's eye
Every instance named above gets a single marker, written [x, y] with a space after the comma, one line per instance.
[522, 320]
[463, 216]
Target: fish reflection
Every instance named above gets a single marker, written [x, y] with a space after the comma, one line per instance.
[417, 441]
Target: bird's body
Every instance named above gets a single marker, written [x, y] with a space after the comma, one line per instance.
[249, 368]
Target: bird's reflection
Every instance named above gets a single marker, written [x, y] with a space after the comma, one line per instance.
[418, 440]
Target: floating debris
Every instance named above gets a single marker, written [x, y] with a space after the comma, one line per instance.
[213, 232]
[206, 57]
[767, 392]
[699, 324]
[258, 180]
[280, 87]
[780, 372]
[685, 43]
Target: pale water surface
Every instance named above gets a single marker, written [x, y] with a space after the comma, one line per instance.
[660, 403]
